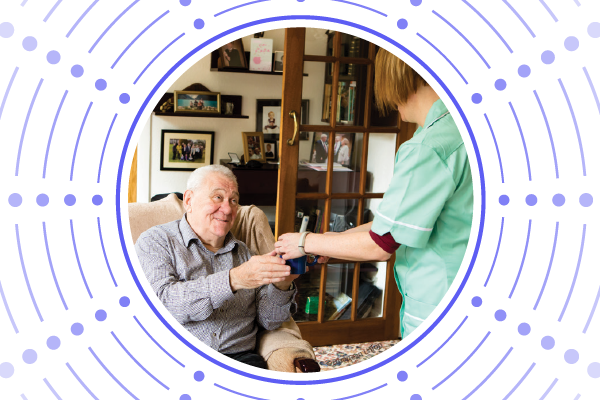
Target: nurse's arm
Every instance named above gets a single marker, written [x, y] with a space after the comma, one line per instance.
[353, 246]
[361, 228]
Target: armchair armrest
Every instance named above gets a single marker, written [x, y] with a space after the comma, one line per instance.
[284, 350]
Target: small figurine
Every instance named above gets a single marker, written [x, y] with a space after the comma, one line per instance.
[167, 106]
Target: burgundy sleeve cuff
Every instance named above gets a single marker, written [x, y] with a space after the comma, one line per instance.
[386, 242]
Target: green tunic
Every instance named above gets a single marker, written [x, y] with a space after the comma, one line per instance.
[428, 208]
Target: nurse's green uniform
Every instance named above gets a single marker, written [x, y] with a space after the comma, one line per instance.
[428, 208]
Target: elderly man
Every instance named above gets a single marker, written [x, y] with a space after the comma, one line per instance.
[321, 149]
[208, 280]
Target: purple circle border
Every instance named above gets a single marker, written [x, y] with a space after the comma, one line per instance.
[141, 113]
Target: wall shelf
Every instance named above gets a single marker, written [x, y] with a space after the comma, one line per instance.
[245, 71]
[199, 115]
[214, 66]
[237, 108]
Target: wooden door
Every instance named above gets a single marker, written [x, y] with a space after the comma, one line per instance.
[349, 70]
[132, 189]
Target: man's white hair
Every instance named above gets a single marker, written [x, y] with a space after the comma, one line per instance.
[197, 178]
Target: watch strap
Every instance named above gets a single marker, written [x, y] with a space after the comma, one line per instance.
[301, 242]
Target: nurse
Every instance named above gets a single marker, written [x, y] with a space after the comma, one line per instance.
[425, 215]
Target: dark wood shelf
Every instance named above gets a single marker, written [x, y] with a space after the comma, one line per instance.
[214, 65]
[246, 71]
[199, 115]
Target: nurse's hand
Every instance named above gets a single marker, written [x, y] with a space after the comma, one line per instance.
[287, 246]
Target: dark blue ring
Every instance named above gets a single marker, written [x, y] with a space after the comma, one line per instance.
[140, 114]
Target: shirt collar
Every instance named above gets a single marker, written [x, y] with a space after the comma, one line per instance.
[188, 234]
[437, 110]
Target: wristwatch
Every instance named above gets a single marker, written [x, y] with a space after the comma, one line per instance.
[301, 242]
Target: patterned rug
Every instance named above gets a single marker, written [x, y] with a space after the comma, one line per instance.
[344, 355]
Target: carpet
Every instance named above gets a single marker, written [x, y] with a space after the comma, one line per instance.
[344, 355]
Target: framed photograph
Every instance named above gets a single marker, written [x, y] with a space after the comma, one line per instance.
[343, 144]
[200, 102]
[232, 55]
[278, 62]
[254, 145]
[182, 150]
[271, 150]
[261, 54]
[268, 118]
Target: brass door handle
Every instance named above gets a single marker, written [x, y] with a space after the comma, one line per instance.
[291, 141]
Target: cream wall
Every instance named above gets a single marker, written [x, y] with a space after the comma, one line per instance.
[151, 180]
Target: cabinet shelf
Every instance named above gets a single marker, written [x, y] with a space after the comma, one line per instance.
[199, 115]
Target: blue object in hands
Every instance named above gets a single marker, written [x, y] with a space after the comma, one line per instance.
[298, 265]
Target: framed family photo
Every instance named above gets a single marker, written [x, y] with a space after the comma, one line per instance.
[254, 146]
[200, 102]
[182, 150]
[268, 118]
[343, 144]
[271, 150]
[232, 56]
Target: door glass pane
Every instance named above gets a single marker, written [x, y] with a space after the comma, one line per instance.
[338, 291]
[353, 46]
[307, 297]
[380, 161]
[312, 171]
[350, 100]
[347, 150]
[318, 42]
[314, 210]
[344, 215]
[316, 87]
[371, 287]
[371, 206]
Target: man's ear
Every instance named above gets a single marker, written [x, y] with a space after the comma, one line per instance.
[187, 200]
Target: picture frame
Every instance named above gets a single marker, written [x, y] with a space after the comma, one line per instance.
[318, 153]
[271, 150]
[254, 141]
[270, 125]
[278, 61]
[174, 156]
[261, 54]
[197, 102]
[233, 56]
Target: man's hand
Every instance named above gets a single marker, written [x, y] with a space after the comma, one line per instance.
[259, 271]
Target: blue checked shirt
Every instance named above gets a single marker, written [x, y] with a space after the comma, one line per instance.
[193, 284]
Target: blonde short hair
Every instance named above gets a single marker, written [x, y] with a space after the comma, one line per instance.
[395, 81]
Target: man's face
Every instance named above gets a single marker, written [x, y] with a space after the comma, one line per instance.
[338, 138]
[324, 138]
[211, 209]
[229, 46]
[268, 147]
[256, 150]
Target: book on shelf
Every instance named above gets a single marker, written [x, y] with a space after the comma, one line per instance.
[345, 104]
[341, 302]
[318, 223]
[351, 102]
